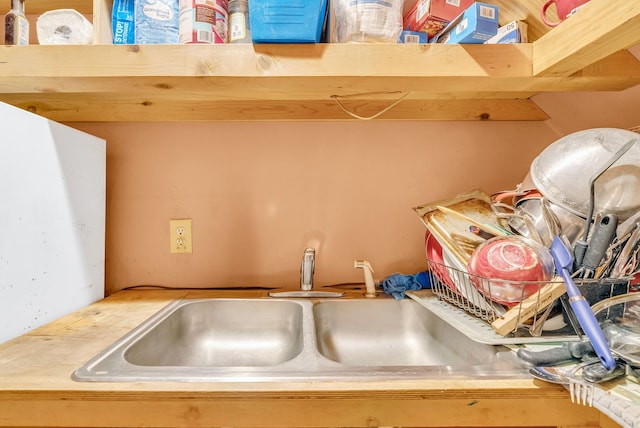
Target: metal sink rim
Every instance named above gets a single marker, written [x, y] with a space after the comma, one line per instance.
[109, 365]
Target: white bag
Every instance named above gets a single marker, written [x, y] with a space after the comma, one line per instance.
[373, 21]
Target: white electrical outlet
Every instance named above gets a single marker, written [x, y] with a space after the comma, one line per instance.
[180, 236]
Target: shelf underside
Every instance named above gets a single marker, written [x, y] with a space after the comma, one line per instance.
[289, 82]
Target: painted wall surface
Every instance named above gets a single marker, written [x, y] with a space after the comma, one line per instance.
[260, 192]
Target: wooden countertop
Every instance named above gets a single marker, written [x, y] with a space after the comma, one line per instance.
[36, 388]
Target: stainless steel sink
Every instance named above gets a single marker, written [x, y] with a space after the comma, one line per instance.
[392, 333]
[222, 333]
[296, 339]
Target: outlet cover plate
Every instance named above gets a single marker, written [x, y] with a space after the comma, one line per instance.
[180, 236]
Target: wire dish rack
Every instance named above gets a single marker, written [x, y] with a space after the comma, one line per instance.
[516, 309]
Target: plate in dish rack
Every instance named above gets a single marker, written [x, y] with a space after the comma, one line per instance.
[460, 276]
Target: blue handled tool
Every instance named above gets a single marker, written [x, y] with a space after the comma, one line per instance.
[587, 320]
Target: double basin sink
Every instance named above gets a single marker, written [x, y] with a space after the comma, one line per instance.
[237, 339]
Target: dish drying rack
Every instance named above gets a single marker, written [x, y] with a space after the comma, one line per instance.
[479, 316]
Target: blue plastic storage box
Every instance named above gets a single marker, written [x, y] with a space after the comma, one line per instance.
[287, 21]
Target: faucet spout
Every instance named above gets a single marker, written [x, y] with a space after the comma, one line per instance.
[370, 285]
[306, 280]
[306, 269]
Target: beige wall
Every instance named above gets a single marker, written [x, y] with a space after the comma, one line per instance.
[260, 192]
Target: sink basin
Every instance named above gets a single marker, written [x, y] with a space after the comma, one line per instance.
[256, 340]
[391, 333]
[222, 333]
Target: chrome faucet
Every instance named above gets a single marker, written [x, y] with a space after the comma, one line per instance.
[306, 280]
[306, 269]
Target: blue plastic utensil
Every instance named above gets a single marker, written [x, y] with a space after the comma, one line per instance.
[587, 320]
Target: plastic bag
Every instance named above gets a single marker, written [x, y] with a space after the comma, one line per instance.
[156, 21]
[368, 21]
[122, 22]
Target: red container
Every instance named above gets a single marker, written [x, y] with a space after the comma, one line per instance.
[203, 21]
[431, 16]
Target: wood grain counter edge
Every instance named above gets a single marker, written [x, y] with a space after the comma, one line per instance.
[36, 388]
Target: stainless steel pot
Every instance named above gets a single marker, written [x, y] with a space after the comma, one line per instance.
[571, 225]
[562, 172]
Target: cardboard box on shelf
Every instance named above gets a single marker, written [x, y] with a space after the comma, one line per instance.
[431, 16]
[513, 32]
[413, 37]
[476, 24]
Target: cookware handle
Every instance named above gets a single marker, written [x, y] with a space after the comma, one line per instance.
[603, 234]
[588, 322]
[543, 14]
[568, 351]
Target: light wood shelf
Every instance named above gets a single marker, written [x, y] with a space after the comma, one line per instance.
[37, 7]
[103, 82]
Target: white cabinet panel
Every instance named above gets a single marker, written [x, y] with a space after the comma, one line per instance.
[52, 220]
